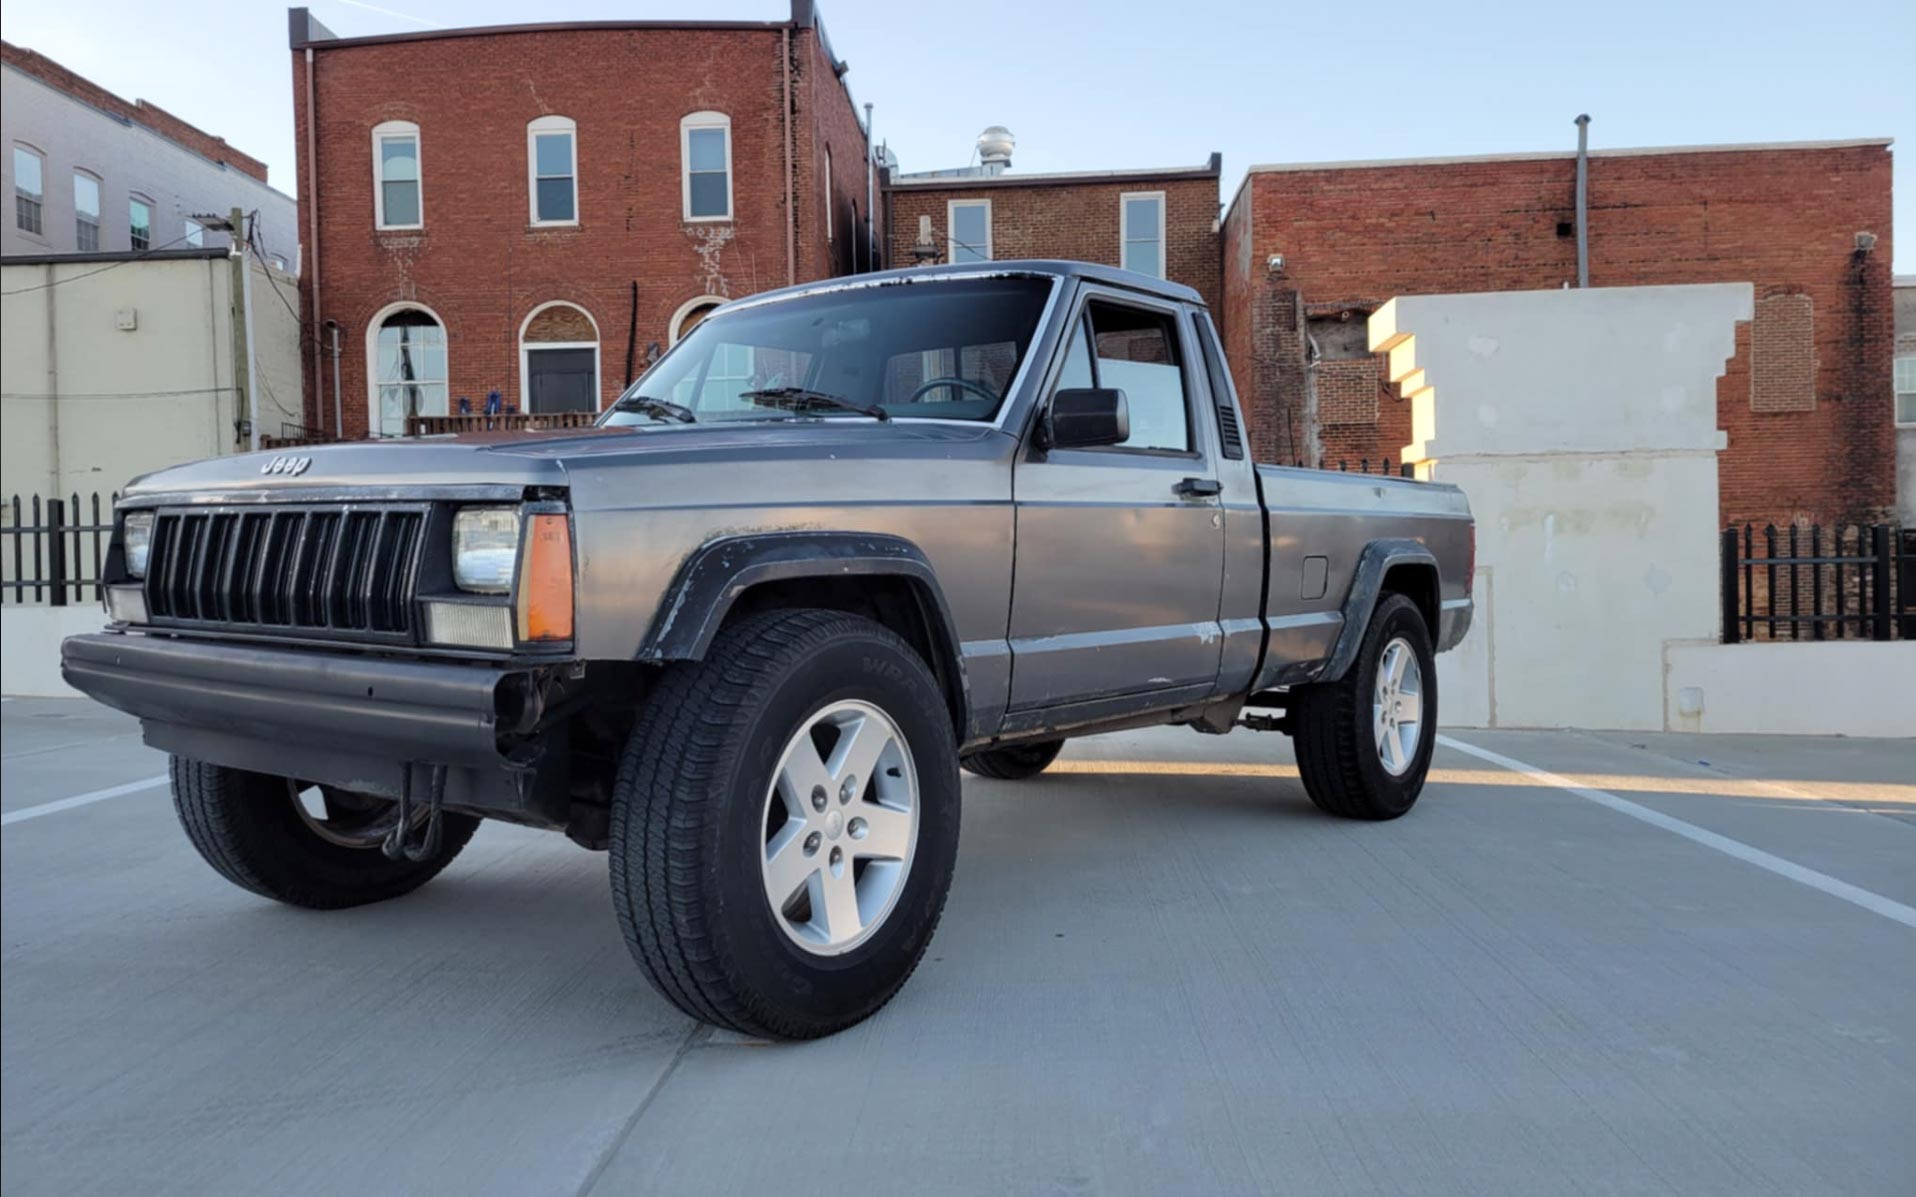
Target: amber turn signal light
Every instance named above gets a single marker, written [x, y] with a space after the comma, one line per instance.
[545, 579]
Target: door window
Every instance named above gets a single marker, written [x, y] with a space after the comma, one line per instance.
[1135, 351]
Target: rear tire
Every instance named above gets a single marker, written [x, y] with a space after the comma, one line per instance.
[1355, 751]
[1014, 762]
[709, 799]
[251, 830]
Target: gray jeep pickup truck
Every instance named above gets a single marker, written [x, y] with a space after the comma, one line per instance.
[840, 542]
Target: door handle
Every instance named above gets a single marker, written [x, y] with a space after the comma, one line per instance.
[1198, 488]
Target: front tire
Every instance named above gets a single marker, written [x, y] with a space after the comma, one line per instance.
[1364, 741]
[254, 833]
[785, 824]
[1014, 762]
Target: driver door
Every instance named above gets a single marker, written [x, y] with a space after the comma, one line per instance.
[1120, 549]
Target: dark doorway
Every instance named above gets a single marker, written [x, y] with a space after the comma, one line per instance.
[561, 380]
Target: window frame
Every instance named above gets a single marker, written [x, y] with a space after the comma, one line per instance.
[1897, 393]
[687, 124]
[548, 126]
[1180, 331]
[951, 240]
[397, 131]
[80, 173]
[139, 199]
[373, 326]
[1124, 235]
[194, 233]
[40, 198]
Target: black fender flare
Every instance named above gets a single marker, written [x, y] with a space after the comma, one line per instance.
[719, 571]
[1376, 561]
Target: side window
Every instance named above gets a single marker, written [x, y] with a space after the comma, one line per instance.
[1077, 361]
[1137, 353]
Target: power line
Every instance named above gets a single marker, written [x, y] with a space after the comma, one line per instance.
[61, 282]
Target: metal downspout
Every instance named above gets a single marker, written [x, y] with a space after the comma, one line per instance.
[1583, 200]
[311, 199]
[791, 215]
[871, 226]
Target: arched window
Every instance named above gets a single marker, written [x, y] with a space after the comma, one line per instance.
[398, 202]
[705, 154]
[406, 356]
[559, 359]
[689, 314]
[552, 170]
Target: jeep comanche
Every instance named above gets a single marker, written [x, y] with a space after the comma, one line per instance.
[838, 543]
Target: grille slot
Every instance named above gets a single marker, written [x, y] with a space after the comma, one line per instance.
[335, 569]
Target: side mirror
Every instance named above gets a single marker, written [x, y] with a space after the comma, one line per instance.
[1081, 417]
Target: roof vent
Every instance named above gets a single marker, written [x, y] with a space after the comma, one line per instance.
[994, 149]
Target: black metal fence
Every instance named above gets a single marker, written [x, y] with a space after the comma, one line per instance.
[51, 550]
[1806, 582]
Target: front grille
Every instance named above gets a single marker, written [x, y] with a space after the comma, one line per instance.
[330, 569]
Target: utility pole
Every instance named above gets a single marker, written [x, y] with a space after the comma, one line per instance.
[240, 301]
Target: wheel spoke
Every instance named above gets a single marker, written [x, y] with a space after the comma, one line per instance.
[786, 865]
[835, 903]
[804, 771]
[860, 743]
[887, 832]
[1410, 708]
[1394, 660]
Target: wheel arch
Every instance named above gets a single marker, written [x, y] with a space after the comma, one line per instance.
[885, 578]
[1405, 567]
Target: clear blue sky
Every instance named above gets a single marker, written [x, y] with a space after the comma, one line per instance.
[1115, 84]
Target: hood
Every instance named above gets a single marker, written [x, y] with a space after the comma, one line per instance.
[503, 465]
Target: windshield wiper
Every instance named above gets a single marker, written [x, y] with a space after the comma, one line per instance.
[799, 398]
[663, 408]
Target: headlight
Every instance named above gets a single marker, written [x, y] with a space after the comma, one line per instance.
[485, 549]
[137, 541]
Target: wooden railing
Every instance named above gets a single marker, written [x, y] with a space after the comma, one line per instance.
[517, 421]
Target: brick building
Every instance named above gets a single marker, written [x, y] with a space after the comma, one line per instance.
[1310, 250]
[536, 210]
[1162, 222]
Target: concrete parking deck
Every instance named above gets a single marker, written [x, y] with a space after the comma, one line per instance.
[1161, 970]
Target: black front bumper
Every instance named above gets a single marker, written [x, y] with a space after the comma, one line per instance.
[349, 720]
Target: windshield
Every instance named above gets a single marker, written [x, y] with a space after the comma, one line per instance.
[940, 350]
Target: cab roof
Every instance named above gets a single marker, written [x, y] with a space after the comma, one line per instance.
[1110, 276]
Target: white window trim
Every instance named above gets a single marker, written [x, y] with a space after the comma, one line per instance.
[676, 327]
[828, 193]
[703, 120]
[549, 124]
[951, 241]
[152, 215]
[1124, 237]
[99, 207]
[525, 355]
[1896, 395]
[12, 217]
[372, 360]
[393, 131]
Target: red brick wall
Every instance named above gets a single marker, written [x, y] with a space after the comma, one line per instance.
[138, 111]
[1785, 220]
[477, 264]
[1075, 220]
[835, 127]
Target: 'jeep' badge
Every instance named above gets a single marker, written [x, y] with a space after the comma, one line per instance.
[286, 466]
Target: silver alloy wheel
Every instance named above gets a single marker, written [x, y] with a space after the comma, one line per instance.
[841, 823]
[1397, 706]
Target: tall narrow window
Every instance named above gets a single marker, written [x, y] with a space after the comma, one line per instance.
[29, 189]
[552, 165]
[705, 145]
[409, 369]
[1906, 389]
[968, 230]
[396, 200]
[139, 222]
[86, 212]
[1143, 232]
[828, 193]
[195, 233]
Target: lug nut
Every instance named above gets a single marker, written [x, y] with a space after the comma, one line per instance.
[848, 790]
[838, 859]
[857, 829]
[812, 842]
[818, 797]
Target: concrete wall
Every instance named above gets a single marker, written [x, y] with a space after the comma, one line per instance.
[1831, 688]
[90, 405]
[30, 647]
[126, 157]
[1582, 424]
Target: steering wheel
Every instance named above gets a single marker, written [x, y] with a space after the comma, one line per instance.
[979, 389]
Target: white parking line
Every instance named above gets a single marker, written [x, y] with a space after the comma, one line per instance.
[48, 808]
[1855, 896]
